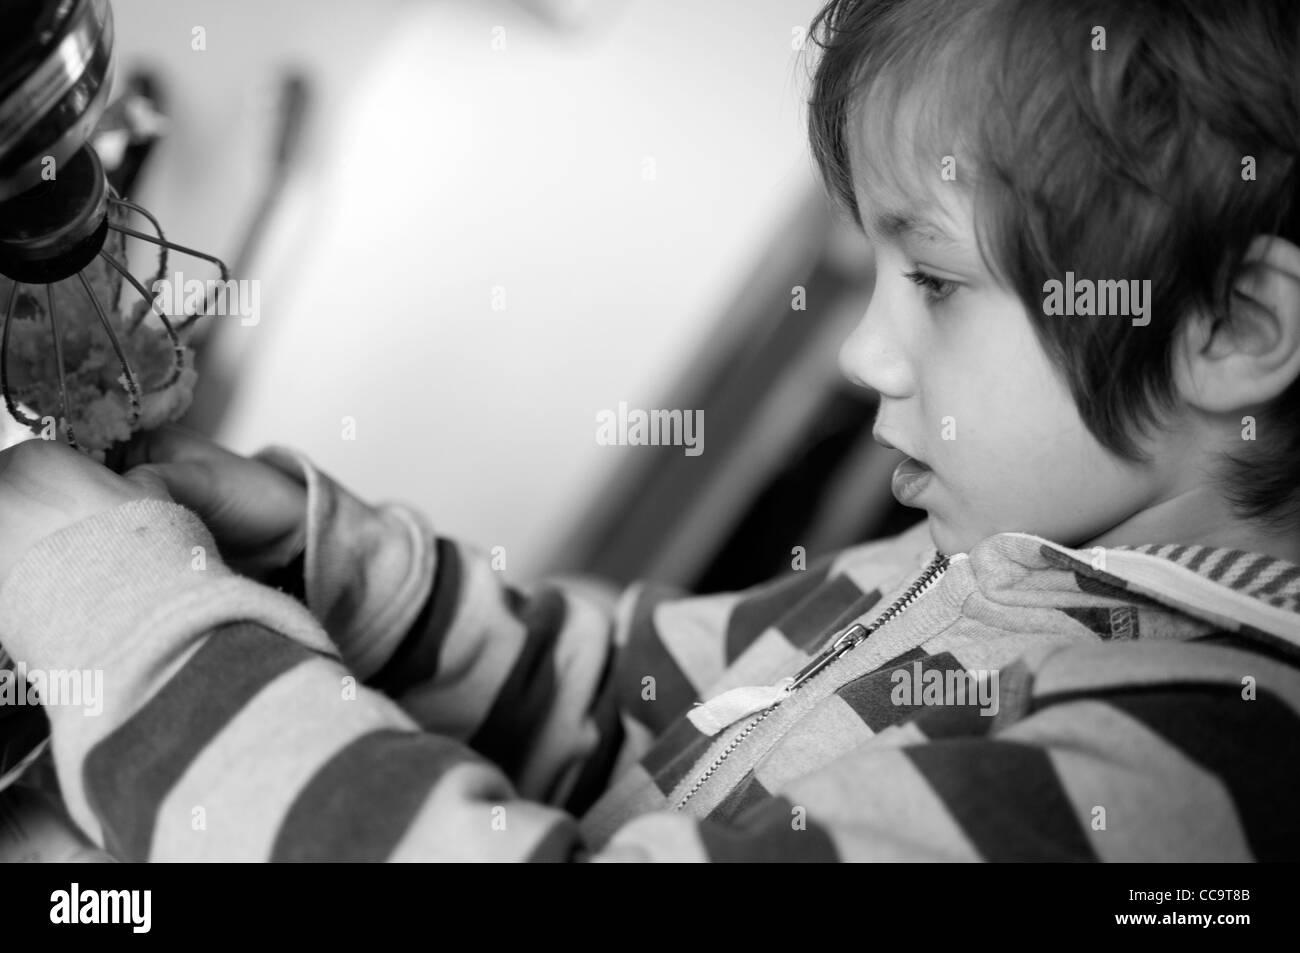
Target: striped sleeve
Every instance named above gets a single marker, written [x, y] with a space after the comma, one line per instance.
[559, 684]
[523, 678]
[227, 728]
[214, 719]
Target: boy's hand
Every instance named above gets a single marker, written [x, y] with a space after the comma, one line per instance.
[257, 514]
[46, 486]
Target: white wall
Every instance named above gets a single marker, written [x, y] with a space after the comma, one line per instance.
[446, 168]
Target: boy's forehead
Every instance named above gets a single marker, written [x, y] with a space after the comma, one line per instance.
[900, 182]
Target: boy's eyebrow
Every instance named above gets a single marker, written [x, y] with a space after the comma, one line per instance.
[892, 225]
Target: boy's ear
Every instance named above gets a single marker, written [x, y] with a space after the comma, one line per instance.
[1251, 358]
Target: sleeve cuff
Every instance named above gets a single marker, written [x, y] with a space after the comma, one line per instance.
[367, 569]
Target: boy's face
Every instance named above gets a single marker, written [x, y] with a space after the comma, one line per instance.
[967, 390]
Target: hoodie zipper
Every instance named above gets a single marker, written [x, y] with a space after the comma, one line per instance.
[849, 639]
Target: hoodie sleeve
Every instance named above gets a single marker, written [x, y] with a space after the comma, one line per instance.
[556, 683]
[217, 720]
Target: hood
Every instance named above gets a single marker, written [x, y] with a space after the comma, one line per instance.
[1255, 595]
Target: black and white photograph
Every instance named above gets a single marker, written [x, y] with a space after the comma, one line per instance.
[651, 431]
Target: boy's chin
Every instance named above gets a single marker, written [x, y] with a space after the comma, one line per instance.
[950, 539]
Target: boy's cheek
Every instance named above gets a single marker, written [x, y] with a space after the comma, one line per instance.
[984, 492]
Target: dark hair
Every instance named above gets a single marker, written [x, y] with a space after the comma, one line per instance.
[1126, 162]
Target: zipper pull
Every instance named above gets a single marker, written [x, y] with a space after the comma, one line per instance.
[848, 639]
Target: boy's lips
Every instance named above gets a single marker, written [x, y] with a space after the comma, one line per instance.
[910, 477]
[879, 437]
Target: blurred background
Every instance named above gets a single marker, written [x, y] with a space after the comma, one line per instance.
[479, 223]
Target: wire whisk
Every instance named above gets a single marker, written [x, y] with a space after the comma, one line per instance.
[149, 361]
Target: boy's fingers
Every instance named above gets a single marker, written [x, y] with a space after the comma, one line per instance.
[150, 480]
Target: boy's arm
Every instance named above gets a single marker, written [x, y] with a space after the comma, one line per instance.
[558, 688]
[215, 720]
[524, 678]
[224, 727]
[212, 717]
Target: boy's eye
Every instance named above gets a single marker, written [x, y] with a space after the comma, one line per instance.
[935, 288]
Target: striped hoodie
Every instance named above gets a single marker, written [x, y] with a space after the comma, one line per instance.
[1022, 701]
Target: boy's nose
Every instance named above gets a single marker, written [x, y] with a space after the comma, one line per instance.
[870, 359]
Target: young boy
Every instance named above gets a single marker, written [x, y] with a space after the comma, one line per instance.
[1085, 334]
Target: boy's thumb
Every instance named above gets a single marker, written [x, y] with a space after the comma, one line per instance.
[186, 483]
[151, 482]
